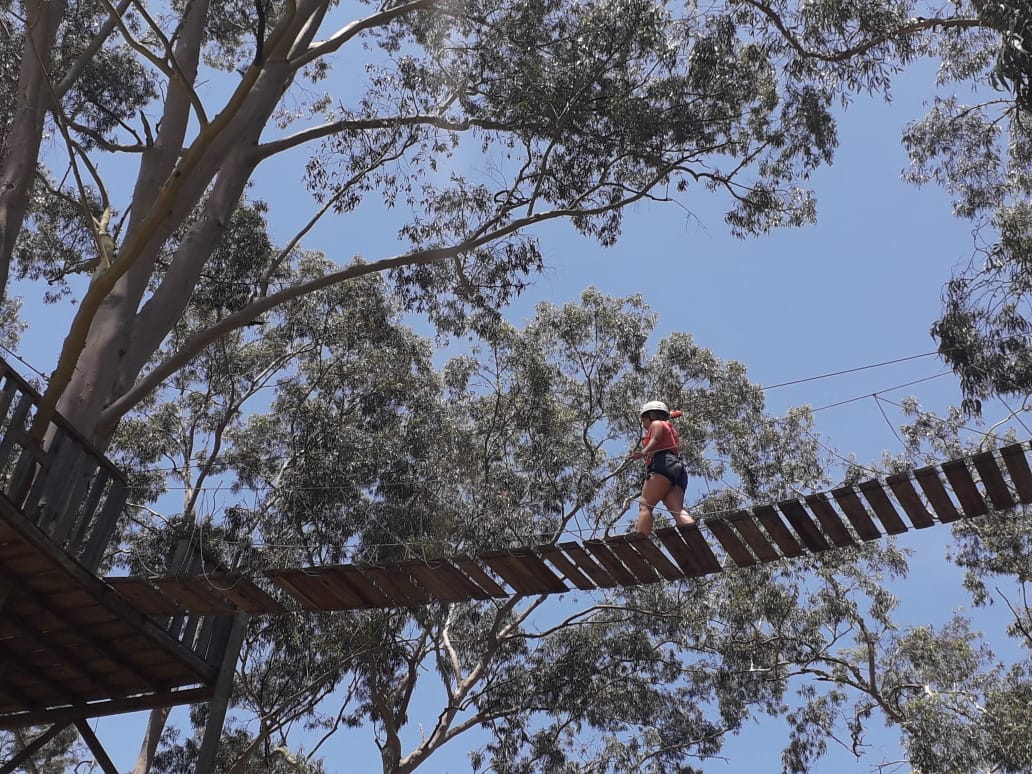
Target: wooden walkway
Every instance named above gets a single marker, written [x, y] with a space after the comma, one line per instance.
[73, 646]
[939, 494]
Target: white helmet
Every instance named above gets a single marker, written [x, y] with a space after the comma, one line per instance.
[654, 405]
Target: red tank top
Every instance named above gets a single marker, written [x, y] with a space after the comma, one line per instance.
[667, 436]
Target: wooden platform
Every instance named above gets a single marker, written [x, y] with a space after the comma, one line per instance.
[959, 489]
[71, 647]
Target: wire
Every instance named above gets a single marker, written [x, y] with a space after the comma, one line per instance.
[849, 370]
[25, 363]
[875, 394]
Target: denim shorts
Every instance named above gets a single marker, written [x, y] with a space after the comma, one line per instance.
[671, 467]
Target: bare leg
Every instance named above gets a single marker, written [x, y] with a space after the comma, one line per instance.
[652, 492]
[674, 501]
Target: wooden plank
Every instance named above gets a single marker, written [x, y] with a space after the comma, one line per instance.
[699, 548]
[77, 540]
[332, 592]
[514, 573]
[397, 585]
[21, 479]
[775, 527]
[524, 571]
[71, 658]
[100, 665]
[324, 593]
[29, 564]
[472, 590]
[650, 553]
[874, 493]
[440, 580]
[804, 526]
[931, 485]
[580, 557]
[6, 397]
[92, 640]
[99, 753]
[352, 578]
[748, 529]
[288, 581]
[106, 596]
[203, 641]
[728, 538]
[15, 430]
[992, 479]
[1017, 465]
[144, 597]
[566, 568]
[243, 593]
[68, 505]
[53, 471]
[600, 551]
[674, 543]
[908, 497]
[64, 474]
[971, 500]
[116, 706]
[104, 525]
[829, 519]
[26, 665]
[856, 513]
[633, 561]
[542, 571]
[479, 575]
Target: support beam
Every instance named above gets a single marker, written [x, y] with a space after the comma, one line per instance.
[95, 747]
[219, 704]
[34, 747]
[98, 709]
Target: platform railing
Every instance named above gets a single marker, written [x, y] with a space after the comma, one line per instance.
[75, 495]
[64, 485]
[206, 635]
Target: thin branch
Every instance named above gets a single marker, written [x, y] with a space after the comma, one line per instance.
[105, 143]
[84, 58]
[285, 252]
[918, 25]
[347, 32]
[393, 122]
[170, 55]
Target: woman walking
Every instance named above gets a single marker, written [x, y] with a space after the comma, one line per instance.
[666, 476]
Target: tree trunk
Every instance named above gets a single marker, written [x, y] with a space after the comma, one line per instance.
[149, 746]
[22, 143]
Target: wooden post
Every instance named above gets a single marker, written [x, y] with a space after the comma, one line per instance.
[219, 704]
[95, 747]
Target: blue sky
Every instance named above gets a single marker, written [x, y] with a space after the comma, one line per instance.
[860, 287]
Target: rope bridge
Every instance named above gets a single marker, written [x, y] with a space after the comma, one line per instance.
[939, 494]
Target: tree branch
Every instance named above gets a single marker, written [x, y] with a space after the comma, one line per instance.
[395, 122]
[348, 31]
[918, 25]
[113, 413]
[84, 58]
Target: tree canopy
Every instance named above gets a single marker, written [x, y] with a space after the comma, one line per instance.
[576, 109]
[204, 352]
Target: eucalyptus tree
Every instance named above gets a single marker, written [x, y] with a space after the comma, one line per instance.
[366, 451]
[569, 110]
[572, 110]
